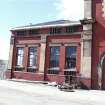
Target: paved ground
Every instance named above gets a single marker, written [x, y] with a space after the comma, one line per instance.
[15, 93]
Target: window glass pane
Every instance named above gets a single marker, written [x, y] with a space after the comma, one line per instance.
[71, 29]
[55, 30]
[71, 57]
[54, 56]
[20, 56]
[21, 32]
[20, 51]
[33, 32]
[32, 56]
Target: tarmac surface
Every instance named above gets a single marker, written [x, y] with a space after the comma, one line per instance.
[21, 93]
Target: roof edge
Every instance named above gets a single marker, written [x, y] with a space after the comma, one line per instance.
[46, 26]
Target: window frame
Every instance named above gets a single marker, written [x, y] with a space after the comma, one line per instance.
[50, 65]
[71, 29]
[21, 33]
[55, 30]
[36, 58]
[21, 57]
[33, 31]
[71, 68]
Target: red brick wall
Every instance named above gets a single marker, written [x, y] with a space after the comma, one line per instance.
[98, 45]
[74, 38]
[55, 78]
[65, 38]
[62, 59]
[29, 76]
[78, 58]
[26, 40]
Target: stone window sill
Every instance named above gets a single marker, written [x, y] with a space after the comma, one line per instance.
[19, 68]
[72, 69]
[33, 67]
[54, 68]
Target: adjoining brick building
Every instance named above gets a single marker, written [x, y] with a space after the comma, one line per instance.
[50, 50]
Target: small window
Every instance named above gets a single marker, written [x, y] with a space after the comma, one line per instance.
[20, 53]
[54, 57]
[21, 32]
[33, 32]
[55, 30]
[70, 57]
[71, 29]
[32, 56]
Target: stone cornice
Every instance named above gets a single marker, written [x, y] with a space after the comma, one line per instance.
[88, 21]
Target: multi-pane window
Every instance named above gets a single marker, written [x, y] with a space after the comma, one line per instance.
[21, 32]
[33, 32]
[20, 53]
[71, 29]
[32, 56]
[56, 30]
[70, 57]
[54, 56]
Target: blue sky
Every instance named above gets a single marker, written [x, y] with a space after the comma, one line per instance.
[23, 12]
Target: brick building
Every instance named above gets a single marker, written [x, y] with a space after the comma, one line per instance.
[50, 50]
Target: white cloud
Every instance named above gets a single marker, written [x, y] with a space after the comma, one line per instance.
[4, 48]
[70, 9]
